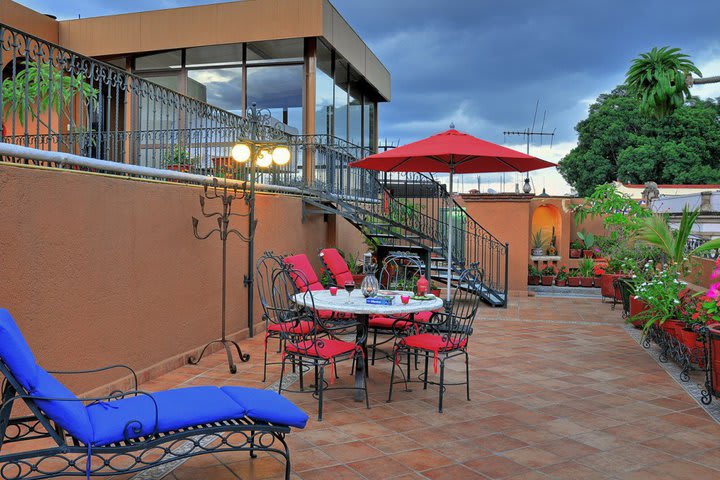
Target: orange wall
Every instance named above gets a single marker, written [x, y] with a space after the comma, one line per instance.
[30, 21]
[99, 270]
[508, 218]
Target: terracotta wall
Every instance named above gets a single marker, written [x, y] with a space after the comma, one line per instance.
[700, 273]
[30, 21]
[508, 218]
[99, 270]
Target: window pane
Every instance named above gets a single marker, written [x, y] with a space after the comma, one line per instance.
[159, 61]
[221, 87]
[324, 91]
[355, 114]
[278, 89]
[216, 55]
[341, 99]
[290, 50]
[369, 126]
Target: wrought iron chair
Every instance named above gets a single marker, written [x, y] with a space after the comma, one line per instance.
[313, 350]
[310, 281]
[623, 285]
[337, 266]
[399, 271]
[126, 432]
[267, 265]
[444, 336]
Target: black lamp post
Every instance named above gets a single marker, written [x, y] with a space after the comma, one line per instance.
[260, 154]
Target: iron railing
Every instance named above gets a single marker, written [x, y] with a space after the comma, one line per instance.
[694, 242]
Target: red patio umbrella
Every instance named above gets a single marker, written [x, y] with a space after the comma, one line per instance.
[452, 152]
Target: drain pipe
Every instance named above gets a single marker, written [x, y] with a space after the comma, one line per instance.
[63, 159]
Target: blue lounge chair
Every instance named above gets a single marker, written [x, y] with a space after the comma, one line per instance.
[126, 432]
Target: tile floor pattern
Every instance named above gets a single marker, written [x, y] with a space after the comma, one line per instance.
[559, 391]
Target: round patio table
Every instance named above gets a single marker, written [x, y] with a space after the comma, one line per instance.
[362, 311]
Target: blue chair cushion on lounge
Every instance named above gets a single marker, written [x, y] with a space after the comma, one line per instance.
[70, 415]
[15, 352]
[267, 406]
[179, 408]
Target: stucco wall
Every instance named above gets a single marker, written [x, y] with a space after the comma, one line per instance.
[30, 21]
[100, 270]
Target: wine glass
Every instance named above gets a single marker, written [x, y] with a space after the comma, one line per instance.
[349, 287]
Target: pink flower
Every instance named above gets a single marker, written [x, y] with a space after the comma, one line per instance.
[714, 291]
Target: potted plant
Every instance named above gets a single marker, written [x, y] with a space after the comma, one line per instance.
[547, 275]
[576, 249]
[586, 269]
[179, 159]
[574, 277]
[538, 244]
[552, 249]
[355, 267]
[708, 311]
[562, 276]
[434, 288]
[533, 275]
[661, 290]
[588, 240]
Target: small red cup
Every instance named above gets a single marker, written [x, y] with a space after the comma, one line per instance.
[333, 291]
[405, 298]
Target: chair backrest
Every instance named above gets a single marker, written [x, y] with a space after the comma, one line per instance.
[265, 268]
[301, 263]
[282, 308]
[337, 265]
[28, 378]
[464, 304]
[400, 271]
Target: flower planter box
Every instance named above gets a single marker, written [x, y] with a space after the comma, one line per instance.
[688, 338]
[573, 281]
[533, 280]
[575, 253]
[714, 346]
[547, 280]
[586, 281]
[588, 253]
[560, 283]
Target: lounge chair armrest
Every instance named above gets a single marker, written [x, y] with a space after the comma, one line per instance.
[97, 370]
[136, 425]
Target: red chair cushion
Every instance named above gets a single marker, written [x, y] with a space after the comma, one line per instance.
[387, 323]
[302, 263]
[303, 327]
[337, 266]
[432, 342]
[326, 348]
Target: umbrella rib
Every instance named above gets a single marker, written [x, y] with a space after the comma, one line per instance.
[398, 164]
[503, 161]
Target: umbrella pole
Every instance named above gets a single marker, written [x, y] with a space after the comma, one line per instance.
[450, 236]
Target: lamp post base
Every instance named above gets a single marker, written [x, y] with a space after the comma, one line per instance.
[227, 344]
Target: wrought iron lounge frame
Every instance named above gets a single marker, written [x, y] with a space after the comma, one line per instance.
[71, 457]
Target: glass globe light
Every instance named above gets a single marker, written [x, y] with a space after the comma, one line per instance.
[281, 155]
[240, 152]
[264, 159]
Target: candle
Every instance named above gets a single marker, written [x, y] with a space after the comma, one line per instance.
[405, 299]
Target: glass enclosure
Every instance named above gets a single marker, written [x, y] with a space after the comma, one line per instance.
[270, 74]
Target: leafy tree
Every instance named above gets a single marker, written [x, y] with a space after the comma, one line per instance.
[617, 142]
[658, 79]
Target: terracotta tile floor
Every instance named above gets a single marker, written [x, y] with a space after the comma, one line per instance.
[559, 390]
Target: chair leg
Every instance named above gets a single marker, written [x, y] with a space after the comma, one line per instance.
[407, 379]
[300, 374]
[320, 393]
[392, 379]
[282, 372]
[442, 384]
[372, 362]
[265, 364]
[427, 360]
[365, 380]
[467, 374]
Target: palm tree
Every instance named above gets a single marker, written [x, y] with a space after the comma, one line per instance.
[655, 231]
[662, 79]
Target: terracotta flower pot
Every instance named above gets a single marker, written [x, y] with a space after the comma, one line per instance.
[560, 283]
[358, 278]
[588, 253]
[547, 280]
[688, 338]
[435, 291]
[637, 306]
[533, 280]
[673, 327]
[573, 281]
[575, 253]
[607, 286]
[586, 281]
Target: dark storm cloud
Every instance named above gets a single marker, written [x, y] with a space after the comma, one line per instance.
[484, 64]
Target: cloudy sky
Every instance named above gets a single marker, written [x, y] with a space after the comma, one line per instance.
[484, 64]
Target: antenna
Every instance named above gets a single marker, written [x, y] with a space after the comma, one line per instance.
[530, 133]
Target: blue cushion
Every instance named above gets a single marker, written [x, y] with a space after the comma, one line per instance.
[15, 352]
[70, 415]
[179, 408]
[267, 406]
